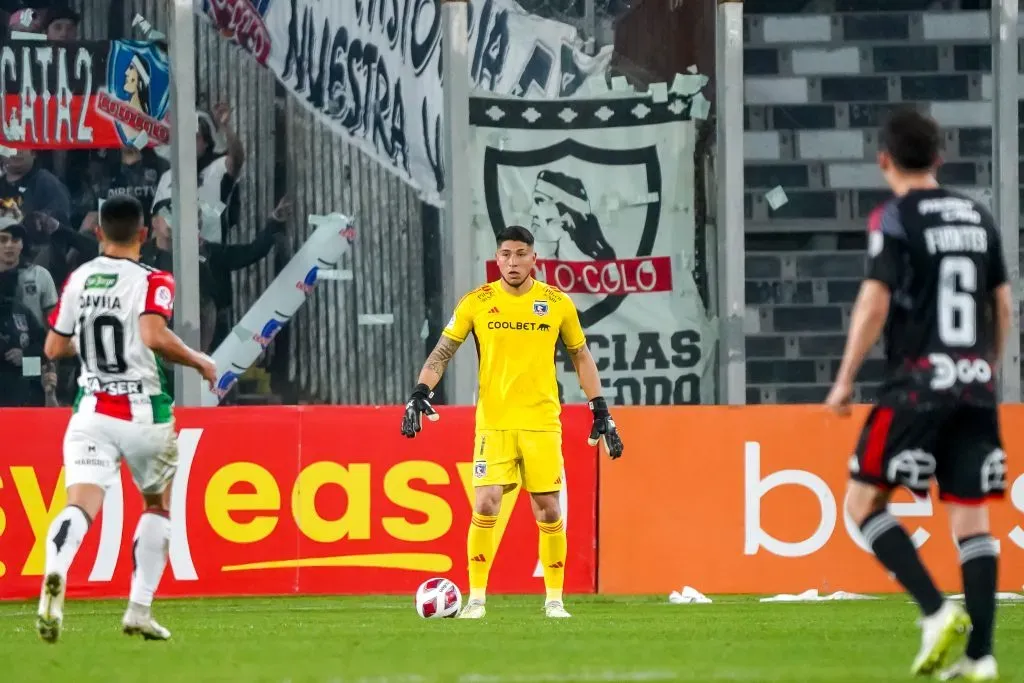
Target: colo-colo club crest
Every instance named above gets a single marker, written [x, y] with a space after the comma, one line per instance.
[138, 94]
[598, 253]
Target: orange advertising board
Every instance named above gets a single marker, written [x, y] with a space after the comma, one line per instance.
[750, 500]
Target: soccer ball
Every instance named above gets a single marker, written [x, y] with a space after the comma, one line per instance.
[438, 599]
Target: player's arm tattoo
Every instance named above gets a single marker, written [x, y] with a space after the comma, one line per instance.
[442, 354]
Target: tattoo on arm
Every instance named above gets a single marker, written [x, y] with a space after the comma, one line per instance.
[441, 355]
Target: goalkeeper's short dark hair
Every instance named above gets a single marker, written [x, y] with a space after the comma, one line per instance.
[912, 139]
[121, 219]
[515, 233]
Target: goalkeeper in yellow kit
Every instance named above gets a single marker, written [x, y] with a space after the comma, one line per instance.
[517, 321]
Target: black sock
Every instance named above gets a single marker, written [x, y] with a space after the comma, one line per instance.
[896, 551]
[979, 558]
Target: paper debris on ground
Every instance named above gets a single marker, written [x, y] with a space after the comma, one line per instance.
[688, 596]
[1008, 597]
[812, 595]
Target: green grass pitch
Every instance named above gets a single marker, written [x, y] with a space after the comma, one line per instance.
[381, 640]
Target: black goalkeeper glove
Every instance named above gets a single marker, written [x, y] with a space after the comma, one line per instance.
[604, 429]
[416, 408]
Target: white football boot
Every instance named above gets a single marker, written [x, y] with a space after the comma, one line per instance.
[138, 621]
[51, 607]
[554, 609]
[940, 633]
[474, 609]
[966, 669]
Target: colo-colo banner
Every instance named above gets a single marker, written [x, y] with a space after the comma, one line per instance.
[371, 70]
[606, 186]
[268, 501]
[83, 95]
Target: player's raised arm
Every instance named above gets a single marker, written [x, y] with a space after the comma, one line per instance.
[458, 328]
[590, 381]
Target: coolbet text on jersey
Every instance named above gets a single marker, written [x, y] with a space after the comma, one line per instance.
[516, 338]
[100, 307]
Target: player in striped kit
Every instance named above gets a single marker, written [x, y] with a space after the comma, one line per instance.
[113, 314]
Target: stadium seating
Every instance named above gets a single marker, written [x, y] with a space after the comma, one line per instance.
[820, 76]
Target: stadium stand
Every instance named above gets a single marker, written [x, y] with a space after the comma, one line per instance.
[820, 76]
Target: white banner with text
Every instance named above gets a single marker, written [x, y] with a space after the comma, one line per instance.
[371, 70]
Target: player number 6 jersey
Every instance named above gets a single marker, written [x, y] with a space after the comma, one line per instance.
[101, 307]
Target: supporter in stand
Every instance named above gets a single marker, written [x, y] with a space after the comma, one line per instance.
[32, 292]
[157, 253]
[44, 207]
[217, 263]
[221, 157]
[35, 287]
[25, 380]
[114, 173]
[24, 19]
[60, 22]
[34, 189]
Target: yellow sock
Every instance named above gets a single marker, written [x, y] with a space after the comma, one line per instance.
[480, 550]
[553, 550]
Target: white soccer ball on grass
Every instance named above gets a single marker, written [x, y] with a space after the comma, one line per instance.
[438, 598]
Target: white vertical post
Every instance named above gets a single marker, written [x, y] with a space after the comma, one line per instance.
[457, 240]
[1005, 180]
[590, 25]
[185, 235]
[729, 220]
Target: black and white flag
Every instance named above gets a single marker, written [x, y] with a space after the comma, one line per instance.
[607, 188]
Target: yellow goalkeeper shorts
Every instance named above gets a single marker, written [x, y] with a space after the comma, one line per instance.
[508, 457]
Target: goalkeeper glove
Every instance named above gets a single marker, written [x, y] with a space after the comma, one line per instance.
[604, 429]
[416, 408]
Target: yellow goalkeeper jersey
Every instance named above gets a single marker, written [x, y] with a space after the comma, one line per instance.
[515, 340]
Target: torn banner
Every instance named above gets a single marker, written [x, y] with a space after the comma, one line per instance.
[607, 188]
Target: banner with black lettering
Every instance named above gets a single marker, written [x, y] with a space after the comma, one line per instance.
[607, 188]
[84, 95]
[371, 69]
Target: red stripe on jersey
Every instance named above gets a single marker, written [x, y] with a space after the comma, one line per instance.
[875, 219]
[160, 294]
[52, 318]
[874, 447]
[114, 406]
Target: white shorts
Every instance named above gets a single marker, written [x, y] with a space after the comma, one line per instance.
[95, 444]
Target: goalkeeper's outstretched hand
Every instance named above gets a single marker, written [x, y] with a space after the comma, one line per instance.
[604, 429]
[416, 408]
